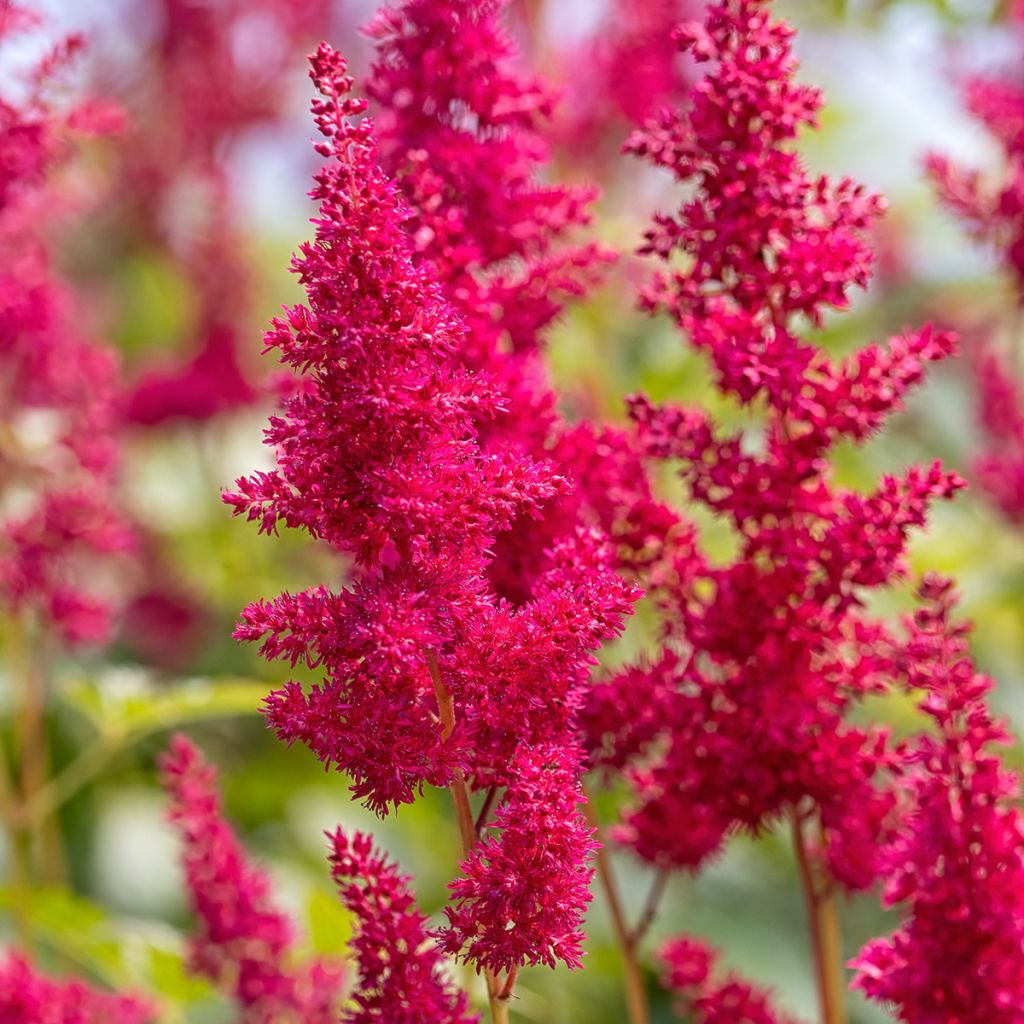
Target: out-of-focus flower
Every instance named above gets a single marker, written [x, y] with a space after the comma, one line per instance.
[991, 207]
[30, 998]
[212, 73]
[956, 866]
[689, 966]
[243, 942]
[60, 522]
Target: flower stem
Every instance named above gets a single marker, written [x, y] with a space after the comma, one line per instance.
[497, 996]
[637, 1010]
[650, 907]
[824, 929]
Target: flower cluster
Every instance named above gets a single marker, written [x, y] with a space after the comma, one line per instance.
[623, 72]
[205, 80]
[523, 892]
[30, 998]
[992, 209]
[57, 438]
[243, 942]
[385, 452]
[401, 972]
[956, 867]
[765, 656]
[688, 969]
[462, 134]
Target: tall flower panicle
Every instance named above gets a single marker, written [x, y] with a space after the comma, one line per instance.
[379, 455]
[956, 867]
[463, 131]
[523, 892]
[58, 443]
[765, 655]
[402, 977]
[243, 943]
[430, 677]
[30, 998]
[210, 76]
[688, 971]
[623, 72]
[991, 207]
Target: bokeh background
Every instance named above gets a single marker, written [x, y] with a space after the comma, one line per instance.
[114, 907]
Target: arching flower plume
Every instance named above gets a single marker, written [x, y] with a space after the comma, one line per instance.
[765, 655]
[242, 942]
[956, 866]
[401, 973]
[58, 446]
[30, 998]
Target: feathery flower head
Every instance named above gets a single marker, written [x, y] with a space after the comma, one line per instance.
[523, 891]
[689, 969]
[30, 998]
[956, 866]
[243, 942]
[379, 454]
[401, 970]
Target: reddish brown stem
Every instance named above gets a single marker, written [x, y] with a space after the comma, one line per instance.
[824, 931]
[650, 907]
[637, 1010]
[467, 827]
[481, 818]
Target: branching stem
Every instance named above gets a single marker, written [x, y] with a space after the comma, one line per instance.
[498, 995]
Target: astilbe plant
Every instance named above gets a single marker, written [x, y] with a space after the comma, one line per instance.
[991, 207]
[747, 708]
[197, 91]
[956, 864]
[30, 998]
[58, 443]
[430, 677]
[242, 943]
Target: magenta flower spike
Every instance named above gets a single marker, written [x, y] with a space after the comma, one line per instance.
[30, 998]
[242, 943]
[402, 977]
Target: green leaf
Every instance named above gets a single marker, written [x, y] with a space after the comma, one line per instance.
[117, 712]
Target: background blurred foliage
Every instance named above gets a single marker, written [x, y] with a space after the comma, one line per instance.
[120, 914]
